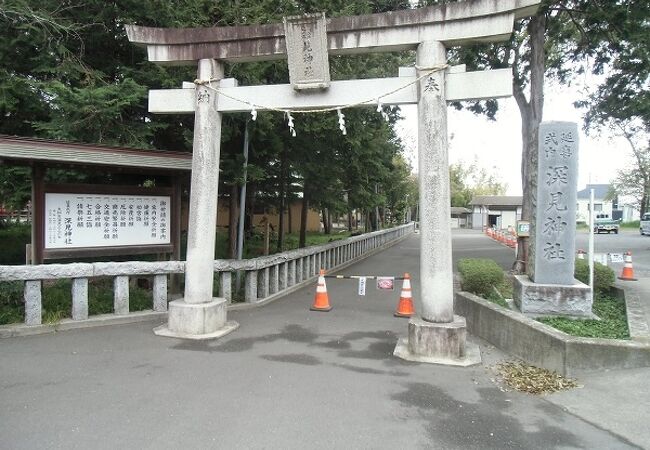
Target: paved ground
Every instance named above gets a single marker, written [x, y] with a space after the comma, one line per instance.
[291, 378]
[626, 240]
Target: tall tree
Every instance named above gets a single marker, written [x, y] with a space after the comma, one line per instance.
[555, 43]
[468, 180]
[634, 181]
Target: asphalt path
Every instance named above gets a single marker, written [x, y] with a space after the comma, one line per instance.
[473, 244]
[626, 240]
[287, 378]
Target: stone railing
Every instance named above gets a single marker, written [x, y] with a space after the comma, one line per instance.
[265, 278]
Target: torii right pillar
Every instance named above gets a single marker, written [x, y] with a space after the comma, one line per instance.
[438, 336]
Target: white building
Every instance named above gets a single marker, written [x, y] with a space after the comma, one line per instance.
[497, 211]
[615, 209]
[600, 204]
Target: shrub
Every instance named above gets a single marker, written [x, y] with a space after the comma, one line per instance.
[13, 238]
[480, 276]
[603, 276]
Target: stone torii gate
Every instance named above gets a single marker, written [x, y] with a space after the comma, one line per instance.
[439, 335]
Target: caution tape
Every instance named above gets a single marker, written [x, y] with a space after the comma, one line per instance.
[367, 277]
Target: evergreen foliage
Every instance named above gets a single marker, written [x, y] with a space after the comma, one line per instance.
[604, 277]
[69, 73]
[480, 276]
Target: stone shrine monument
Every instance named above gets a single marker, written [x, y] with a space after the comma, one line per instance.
[549, 287]
[439, 335]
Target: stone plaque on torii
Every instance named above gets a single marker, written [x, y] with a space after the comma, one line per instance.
[439, 335]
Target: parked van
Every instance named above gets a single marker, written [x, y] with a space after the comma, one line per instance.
[644, 227]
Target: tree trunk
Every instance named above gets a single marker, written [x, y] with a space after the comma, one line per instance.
[531, 116]
[282, 192]
[303, 217]
[644, 199]
[232, 221]
[329, 221]
[349, 220]
[289, 217]
[250, 208]
[326, 227]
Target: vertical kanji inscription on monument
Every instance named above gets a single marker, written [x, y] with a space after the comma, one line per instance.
[557, 173]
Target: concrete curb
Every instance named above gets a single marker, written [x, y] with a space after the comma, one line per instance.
[545, 346]
[100, 320]
[636, 319]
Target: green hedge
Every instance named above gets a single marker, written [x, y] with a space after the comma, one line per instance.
[603, 276]
[480, 276]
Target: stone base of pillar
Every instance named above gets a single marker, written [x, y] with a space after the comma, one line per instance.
[438, 343]
[537, 299]
[197, 321]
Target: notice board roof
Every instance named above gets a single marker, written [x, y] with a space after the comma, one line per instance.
[28, 150]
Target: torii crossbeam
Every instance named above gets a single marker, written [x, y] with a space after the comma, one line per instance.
[439, 335]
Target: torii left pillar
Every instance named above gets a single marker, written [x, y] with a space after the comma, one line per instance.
[438, 336]
[198, 315]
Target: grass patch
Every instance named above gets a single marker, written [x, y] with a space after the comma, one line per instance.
[500, 293]
[632, 225]
[613, 323]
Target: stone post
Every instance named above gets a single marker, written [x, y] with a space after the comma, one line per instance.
[33, 302]
[250, 289]
[160, 292]
[79, 298]
[226, 286]
[263, 283]
[198, 315]
[121, 295]
[436, 272]
[550, 287]
[438, 336]
[283, 277]
[274, 279]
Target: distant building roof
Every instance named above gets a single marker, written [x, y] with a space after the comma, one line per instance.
[497, 200]
[458, 210]
[23, 149]
[600, 191]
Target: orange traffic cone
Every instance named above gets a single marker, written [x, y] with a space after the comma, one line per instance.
[628, 270]
[405, 304]
[321, 301]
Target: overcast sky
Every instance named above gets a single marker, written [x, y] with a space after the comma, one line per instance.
[497, 144]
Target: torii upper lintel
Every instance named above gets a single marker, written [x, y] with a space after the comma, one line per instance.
[452, 24]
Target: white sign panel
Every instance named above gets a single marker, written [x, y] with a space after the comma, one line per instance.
[306, 39]
[616, 257]
[362, 285]
[98, 220]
